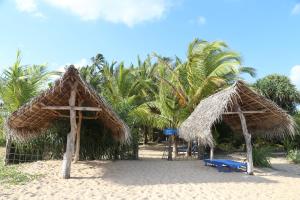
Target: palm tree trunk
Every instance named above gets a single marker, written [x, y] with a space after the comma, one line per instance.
[145, 135]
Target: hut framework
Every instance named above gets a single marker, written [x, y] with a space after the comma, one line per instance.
[70, 95]
[244, 111]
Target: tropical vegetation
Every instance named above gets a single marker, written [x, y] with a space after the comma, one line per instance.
[154, 93]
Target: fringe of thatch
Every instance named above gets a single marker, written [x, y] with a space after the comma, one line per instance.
[210, 111]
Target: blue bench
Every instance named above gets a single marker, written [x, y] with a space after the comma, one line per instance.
[226, 165]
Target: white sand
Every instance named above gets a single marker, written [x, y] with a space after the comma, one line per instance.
[155, 179]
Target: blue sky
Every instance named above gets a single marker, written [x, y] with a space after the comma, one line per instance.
[59, 32]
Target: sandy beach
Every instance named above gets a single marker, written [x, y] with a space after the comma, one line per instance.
[154, 178]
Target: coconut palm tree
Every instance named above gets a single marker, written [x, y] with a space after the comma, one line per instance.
[93, 74]
[18, 84]
[209, 67]
[163, 111]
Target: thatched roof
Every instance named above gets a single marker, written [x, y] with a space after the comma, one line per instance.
[271, 122]
[31, 120]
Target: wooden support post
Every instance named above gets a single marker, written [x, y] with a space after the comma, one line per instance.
[7, 149]
[169, 147]
[76, 158]
[247, 137]
[189, 149]
[211, 156]
[66, 168]
[175, 150]
[199, 147]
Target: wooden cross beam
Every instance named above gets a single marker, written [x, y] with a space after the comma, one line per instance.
[83, 117]
[245, 112]
[80, 108]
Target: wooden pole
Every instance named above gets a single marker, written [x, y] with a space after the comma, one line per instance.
[66, 168]
[76, 158]
[211, 156]
[169, 147]
[189, 149]
[175, 150]
[7, 149]
[71, 107]
[247, 137]
[199, 147]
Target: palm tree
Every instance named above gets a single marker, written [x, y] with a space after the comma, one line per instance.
[279, 89]
[93, 74]
[209, 67]
[183, 84]
[163, 111]
[19, 83]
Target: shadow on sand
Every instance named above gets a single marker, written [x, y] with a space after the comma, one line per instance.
[157, 171]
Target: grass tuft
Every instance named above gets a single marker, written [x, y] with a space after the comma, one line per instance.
[294, 156]
[11, 175]
[261, 157]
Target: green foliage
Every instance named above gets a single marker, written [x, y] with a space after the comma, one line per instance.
[49, 145]
[2, 137]
[279, 89]
[294, 156]
[226, 147]
[93, 74]
[12, 176]
[209, 67]
[95, 143]
[148, 95]
[261, 156]
[225, 139]
[20, 83]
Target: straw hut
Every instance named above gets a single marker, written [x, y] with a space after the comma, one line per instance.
[244, 111]
[69, 97]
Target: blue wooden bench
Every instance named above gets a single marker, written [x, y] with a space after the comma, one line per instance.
[226, 165]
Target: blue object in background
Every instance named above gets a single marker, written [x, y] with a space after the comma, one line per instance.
[170, 131]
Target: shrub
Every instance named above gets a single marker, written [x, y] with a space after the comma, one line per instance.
[261, 156]
[226, 147]
[2, 140]
[294, 156]
[96, 142]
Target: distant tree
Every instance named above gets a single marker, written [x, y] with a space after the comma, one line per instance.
[279, 89]
[93, 74]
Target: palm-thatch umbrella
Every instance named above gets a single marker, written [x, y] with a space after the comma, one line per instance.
[244, 111]
[69, 95]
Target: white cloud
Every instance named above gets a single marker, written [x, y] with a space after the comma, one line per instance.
[296, 9]
[82, 62]
[129, 12]
[29, 6]
[295, 75]
[201, 20]
[26, 5]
